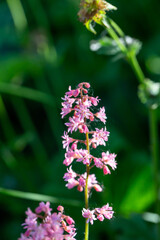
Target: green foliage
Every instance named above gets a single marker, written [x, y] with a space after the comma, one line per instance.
[108, 46]
[149, 93]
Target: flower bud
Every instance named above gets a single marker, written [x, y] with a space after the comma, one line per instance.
[80, 188]
[94, 145]
[106, 170]
[69, 220]
[98, 188]
[60, 208]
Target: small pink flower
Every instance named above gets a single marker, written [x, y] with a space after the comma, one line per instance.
[74, 123]
[86, 213]
[44, 208]
[109, 159]
[101, 115]
[100, 136]
[67, 140]
[70, 174]
[94, 100]
[98, 162]
[74, 93]
[84, 157]
[105, 211]
[72, 183]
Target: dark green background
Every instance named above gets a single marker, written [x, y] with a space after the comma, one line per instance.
[47, 54]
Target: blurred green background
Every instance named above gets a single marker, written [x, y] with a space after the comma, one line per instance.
[43, 50]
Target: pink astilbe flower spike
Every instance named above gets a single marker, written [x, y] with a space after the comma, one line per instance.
[82, 111]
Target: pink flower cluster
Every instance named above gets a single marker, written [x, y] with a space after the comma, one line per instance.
[82, 113]
[78, 102]
[98, 213]
[44, 225]
[79, 181]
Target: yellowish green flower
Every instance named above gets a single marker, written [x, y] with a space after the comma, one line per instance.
[93, 10]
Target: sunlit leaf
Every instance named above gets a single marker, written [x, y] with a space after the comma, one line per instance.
[140, 192]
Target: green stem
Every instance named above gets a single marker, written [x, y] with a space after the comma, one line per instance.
[116, 27]
[136, 68]
[154, 151]
[115, 37]
[132, 60]
[86, 192]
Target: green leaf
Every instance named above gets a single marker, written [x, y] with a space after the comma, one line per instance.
[149, 93]
[153, 64]
[132, 44]
[105, 46]
[140, 193]
[105, 22]
[18, 65]
[111, 7]
[38, 197]
[24, 92]
[108, 46]
[89, 26]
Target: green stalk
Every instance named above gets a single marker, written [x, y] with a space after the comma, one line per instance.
[136, 68]
[18, 15]
[115, 37]
[153, 124]
[39, 197]
[86, 192]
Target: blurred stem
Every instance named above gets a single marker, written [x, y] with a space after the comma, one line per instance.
[18, 14]
[153, 125]
[28, 125]
[25, 92]
[39, 13]
[6, 124]
[42, 85]
[154, 150]
[86, 192]
[39, 197]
